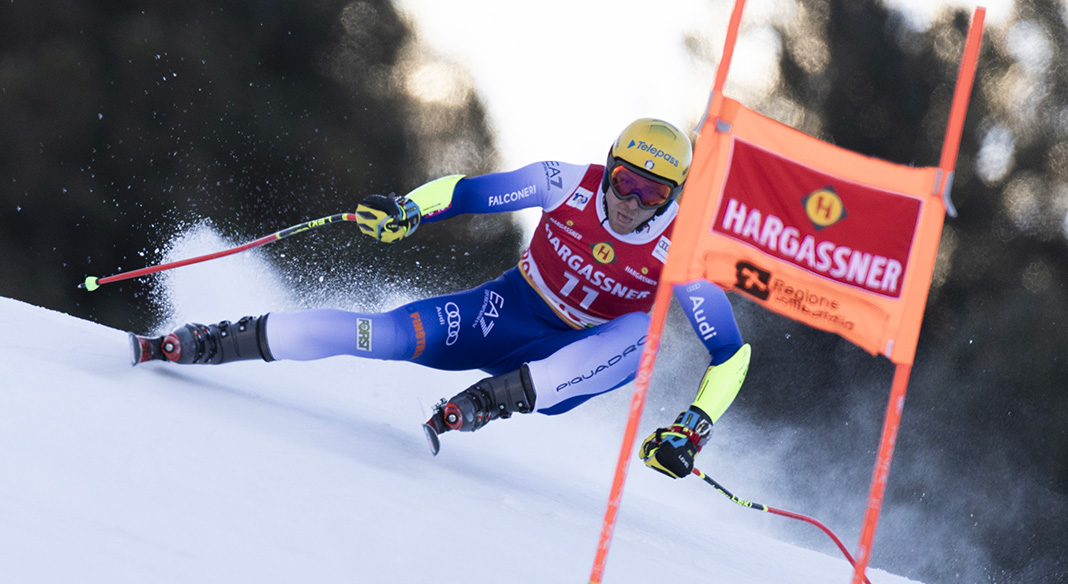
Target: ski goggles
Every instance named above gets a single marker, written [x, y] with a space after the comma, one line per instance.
[629, 183]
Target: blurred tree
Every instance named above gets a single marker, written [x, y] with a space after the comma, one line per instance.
[126, 121]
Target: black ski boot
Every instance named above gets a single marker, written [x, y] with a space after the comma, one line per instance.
[487, 400]
[196, 343]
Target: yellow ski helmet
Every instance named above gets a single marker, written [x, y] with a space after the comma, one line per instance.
[650, 160]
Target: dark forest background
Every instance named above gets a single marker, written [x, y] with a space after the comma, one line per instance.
[123, 123]
[983, 449]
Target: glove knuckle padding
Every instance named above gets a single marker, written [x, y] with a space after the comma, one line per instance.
[387, 218]
[672, 450]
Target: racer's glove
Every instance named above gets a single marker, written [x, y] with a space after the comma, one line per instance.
[671, 450]
[387, 218]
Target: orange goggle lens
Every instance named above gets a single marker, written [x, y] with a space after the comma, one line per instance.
[627, 183]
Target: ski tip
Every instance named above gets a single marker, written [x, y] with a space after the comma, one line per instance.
[432, 439]
[144, 349]
[135, 349]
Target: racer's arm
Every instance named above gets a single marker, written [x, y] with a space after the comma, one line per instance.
[541, 184]
[671, 450]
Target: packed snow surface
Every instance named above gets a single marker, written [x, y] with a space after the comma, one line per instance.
[319, 472]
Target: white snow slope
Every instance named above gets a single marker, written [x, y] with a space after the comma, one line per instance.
[319, 472]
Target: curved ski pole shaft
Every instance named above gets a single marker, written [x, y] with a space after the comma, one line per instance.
[91, 283]
[760, 507]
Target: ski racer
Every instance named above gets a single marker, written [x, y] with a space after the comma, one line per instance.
[564, 325]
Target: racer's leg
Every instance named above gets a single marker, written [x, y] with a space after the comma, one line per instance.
[326, 332]
[604, 358]
[557, 372]
[473, 329]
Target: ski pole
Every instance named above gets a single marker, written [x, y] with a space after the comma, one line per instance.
[760, 507]
[92, 282]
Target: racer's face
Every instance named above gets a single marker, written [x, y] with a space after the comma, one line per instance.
[625, 214]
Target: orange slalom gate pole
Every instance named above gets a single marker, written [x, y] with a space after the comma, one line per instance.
[892, 423]
[728, 53]
[637, 403]
[882, 469]
[652, 341]
[965, 80]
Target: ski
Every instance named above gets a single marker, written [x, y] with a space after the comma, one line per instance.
[144, 349]
[435, 426]
[432, 438]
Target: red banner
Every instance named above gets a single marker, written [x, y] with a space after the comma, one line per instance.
[823, 235]
[840, 230]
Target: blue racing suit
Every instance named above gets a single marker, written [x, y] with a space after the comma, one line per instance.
[574, 350]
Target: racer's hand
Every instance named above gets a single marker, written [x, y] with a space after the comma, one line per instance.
[387, 218]
[671, 450]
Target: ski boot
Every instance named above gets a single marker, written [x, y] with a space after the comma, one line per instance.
[487, 400]
[196, 343]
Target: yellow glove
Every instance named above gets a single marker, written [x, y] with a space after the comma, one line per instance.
[671, 450]
[387, 218]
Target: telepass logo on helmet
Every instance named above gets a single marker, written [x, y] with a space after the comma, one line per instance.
[655, 152]
[649, 161]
